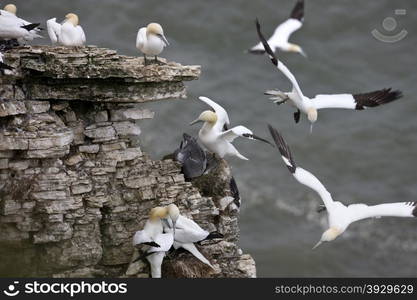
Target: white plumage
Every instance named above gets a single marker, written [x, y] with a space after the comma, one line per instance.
[155, 255]
[151, 40]
[340, 216]
[156, 242]
[12, 27]
[69, 33]
[214, 134]
[188, 232]
[9, 13]
[279, 39]
[309, 106]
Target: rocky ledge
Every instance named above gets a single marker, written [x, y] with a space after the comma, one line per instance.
[74, 183]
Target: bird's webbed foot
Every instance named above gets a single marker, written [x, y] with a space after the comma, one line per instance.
[278, 97]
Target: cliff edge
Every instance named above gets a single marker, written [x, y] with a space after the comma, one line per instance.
[74, 183]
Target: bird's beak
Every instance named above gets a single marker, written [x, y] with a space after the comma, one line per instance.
[163, 38]
[303, 53]
[318, 244]
[195, 121]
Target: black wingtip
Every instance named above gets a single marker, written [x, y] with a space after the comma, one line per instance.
[214, 235]
[283, 148]
[152, 244]
[142, 257]
[264, 42]
[256, 51]
[376, 98]
[30, 27]
[415, 209]
[298, 11]
[255, 137]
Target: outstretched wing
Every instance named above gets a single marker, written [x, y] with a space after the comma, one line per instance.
[302, 176]
[222, 116]
[241, 131]
[280, 66]
[54, 30]
[284, 30]
[356, 101]
[399, 209]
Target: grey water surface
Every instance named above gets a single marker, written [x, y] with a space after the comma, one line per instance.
[360, 156]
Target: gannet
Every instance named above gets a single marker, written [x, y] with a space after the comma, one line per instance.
[150, 40]
[216, 136]
[68, 34]
[340, 216]
[191, 156]
[310, 106]
[279, 40]
[156, 242]
[11, 27]
[10, 11]
[187, 232]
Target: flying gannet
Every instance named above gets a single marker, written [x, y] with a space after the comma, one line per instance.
[310, 106]
[279, 40]
[69, 33]
[188, 232]
[340, 216]
[151, 40]
[157, 243]
[216, 136]
[9, 11]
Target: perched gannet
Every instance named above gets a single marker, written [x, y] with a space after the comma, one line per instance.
[339, 215]
[214, 134]
[188, 232]
[12, 27]
[157, 242]
[4, 69]
[310, 106]
[10, 11]
[191, 156]
[67, 34]
[279, 40]
[151, 40]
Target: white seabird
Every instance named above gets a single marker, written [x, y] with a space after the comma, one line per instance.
[340, 216]
[156, 242]
[69, 33]
[279, 40]
[216, 136]
[188, 232]
[12, 27]
[310, 106]
[151, 40]
[9, 11]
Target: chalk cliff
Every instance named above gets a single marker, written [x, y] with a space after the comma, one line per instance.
[74, 183]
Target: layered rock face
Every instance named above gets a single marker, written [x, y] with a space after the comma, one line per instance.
[74, 183]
